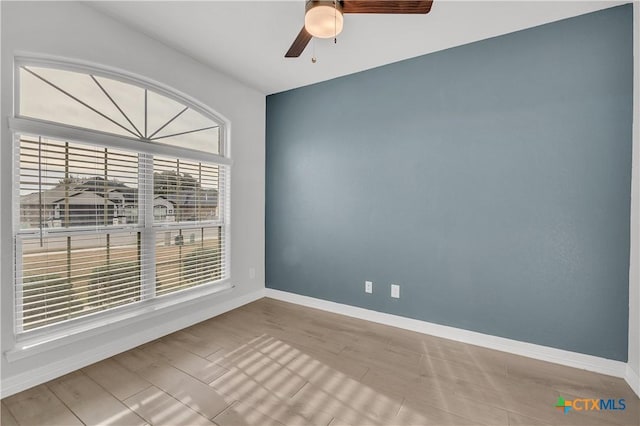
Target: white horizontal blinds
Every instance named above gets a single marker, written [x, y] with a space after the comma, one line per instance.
[188, 257]
[185, 191]
[112, 106]
[71, 190]
[190, 247]
[64, 277]
[64, 185]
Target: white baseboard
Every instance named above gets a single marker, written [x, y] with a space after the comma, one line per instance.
[633, 379]
[544, 353]
[28, 379]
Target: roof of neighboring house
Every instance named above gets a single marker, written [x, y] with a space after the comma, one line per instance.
[205, 198]
[85, 198]
[48, 197]
[164, 198]
[90, 185]
[117, 191]
[115, 195]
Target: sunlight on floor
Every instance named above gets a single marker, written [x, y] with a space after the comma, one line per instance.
[270, 376]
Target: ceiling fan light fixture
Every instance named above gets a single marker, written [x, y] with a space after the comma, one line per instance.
[323, 19]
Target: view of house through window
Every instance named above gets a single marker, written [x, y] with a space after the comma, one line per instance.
[101, 226]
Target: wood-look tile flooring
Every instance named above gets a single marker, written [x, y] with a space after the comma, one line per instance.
[274, 363]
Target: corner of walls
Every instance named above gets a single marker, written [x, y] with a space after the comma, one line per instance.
[633, 366]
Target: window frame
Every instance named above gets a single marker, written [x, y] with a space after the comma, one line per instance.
[146, 150]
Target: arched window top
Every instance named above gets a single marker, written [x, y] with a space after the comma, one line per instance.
[116, 106]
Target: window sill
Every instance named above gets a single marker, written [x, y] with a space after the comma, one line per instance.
[34, 345]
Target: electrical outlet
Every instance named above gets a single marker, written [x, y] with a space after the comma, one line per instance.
[395, 291]
[368, 287]
[252, 273]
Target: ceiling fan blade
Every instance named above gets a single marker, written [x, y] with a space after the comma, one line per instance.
[299, 44]
[386, 6]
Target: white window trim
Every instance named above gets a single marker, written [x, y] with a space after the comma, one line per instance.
[41, 340]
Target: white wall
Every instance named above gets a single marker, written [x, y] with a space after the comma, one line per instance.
[75, 31]
[633, 372]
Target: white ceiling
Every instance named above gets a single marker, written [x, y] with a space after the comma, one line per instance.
[248, 39]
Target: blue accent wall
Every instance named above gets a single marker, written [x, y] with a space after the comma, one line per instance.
[490, 181]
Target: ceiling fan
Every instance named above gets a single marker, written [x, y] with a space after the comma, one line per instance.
[324, 19]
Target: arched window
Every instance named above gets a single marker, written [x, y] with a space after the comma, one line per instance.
[111, 172]
[91, 101]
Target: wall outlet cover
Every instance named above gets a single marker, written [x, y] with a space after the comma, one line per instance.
[368, 287]
[395, 291]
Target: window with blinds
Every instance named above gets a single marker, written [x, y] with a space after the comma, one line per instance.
[111, 223]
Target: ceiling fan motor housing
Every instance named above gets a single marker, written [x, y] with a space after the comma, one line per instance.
[323, 19]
